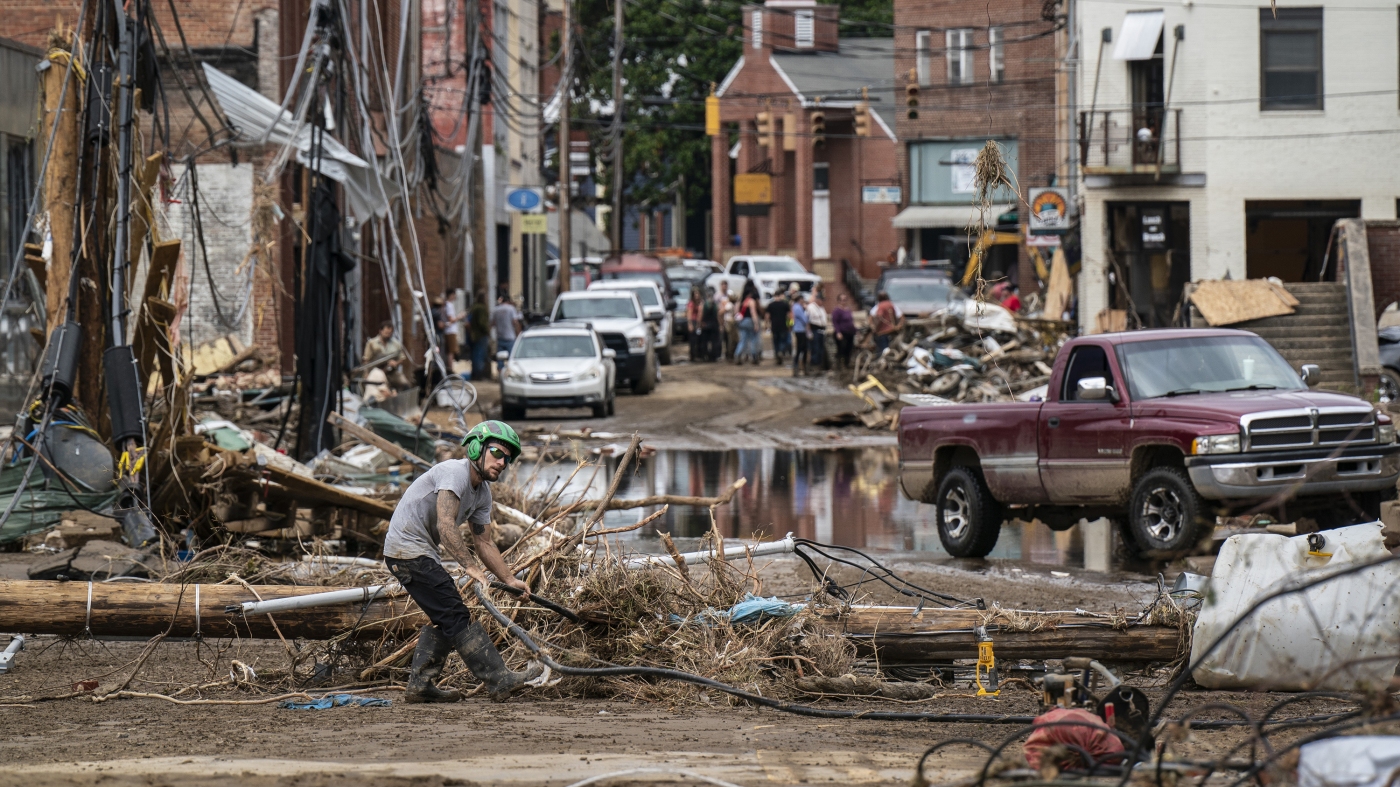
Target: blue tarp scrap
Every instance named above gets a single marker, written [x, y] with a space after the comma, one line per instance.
[334, 701]
[751, 610]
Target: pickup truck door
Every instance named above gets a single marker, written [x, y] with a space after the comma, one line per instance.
[1082, 442]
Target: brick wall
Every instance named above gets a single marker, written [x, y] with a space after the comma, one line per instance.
[1021, 106]
[207, 23]
[1383, 241]
[226, 203]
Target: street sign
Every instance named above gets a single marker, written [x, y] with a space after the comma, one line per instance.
[880, 195]
[534, 224]
[527, 200]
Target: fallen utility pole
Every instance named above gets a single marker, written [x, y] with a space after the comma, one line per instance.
[110, 609]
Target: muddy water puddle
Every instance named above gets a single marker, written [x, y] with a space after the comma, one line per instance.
[847, 496]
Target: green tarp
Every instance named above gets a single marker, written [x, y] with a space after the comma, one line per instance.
[42, 503]
[397, 430]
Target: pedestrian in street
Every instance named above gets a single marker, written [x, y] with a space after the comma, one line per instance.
[844, 324]
[1012, 301]
[747, 318]
[425, 521]
[730, 305]
[778, 311]
[801, 336]
[886, 320]
[386, 353]
[818, 322]
[479, 334]
[694, 312]
[506, 321]
[722, 304]
[709, 328]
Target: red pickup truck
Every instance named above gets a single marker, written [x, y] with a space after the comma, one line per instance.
[1158, 430]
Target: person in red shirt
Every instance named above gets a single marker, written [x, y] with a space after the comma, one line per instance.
[886, 320]
[1012, 301]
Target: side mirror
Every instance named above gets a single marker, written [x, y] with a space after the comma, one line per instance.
[1095, 389]
[655, 317]
[609, 353]
[503, 356]
[1310, 374]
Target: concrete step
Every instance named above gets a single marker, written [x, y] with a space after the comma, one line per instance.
[1296, 287]
[1318, 347]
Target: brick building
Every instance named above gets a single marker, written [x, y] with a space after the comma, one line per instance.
[831, 188]
[983, 71]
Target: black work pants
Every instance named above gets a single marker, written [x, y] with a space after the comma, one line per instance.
[845, 342]
[434, 591]
[799, 355]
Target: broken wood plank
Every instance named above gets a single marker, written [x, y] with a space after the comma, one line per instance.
[366, 436]
[144, 610]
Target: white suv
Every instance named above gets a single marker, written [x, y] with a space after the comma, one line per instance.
[654, 306]
[768, 272]
[618, 318]
[564, 365]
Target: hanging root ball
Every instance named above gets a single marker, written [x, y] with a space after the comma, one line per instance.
[990, 173]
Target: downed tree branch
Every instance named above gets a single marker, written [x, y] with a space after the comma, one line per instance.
[671, 500]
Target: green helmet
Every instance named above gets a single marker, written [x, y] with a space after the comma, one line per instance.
[500, 431]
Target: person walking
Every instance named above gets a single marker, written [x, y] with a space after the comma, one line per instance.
[722, 304]
[505, 318]
[731, 327]
[710, 348]
[843, 323]
[479, 334]
[694, 313]
[886, 320]
[424, 522]
[778, 311]
[747, 322]
[801, 336]
[819, 322]
[1012, 301]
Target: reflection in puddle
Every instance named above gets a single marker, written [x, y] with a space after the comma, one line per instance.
[845, 496]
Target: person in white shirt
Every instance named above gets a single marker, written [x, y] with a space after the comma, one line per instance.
[818, 322]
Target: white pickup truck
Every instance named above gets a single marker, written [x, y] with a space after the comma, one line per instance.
[769, 273]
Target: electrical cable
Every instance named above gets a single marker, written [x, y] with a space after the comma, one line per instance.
[885, 576]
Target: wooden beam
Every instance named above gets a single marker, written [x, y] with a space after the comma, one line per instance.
[366, 436]
[144, 610]
[61, 179]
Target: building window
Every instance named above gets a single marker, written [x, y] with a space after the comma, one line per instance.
[821, 176]
[803, 29]
[960, 57]
[756, 29]
[923, 57]
[996, 46]
[1290, 58]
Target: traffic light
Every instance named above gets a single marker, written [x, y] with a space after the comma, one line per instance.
[911, 92]
[767, 134]
[712, 113]
[862, 117]
[818, 120]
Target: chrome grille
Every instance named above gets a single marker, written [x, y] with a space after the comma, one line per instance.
[1307, 428]
[550, 377]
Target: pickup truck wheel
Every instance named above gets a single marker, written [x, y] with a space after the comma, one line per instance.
[1166, 515]
[969, 519]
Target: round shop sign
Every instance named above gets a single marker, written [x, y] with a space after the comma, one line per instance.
[1049, 209]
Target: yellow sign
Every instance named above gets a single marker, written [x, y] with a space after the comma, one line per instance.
[753, 188]
[712, 116]
[534, 224]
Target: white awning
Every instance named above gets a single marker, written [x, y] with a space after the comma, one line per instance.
[956, 216]
[1137, 38]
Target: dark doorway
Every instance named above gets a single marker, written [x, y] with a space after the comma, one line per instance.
[1149, 260]
[1148, 102]
[1290, 239]
[502, 260]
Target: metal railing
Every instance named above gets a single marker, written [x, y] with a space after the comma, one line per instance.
[1146, 138]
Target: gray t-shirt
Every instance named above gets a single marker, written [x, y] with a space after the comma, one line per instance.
[413, 530]
[503, 317]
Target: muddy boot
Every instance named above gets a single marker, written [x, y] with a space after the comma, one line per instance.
[485, 662]
[428, 660]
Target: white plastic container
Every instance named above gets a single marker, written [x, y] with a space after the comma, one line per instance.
[1351, 761]
[1341, 634]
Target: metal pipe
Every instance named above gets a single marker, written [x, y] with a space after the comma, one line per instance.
[6, 658]
[780, 547]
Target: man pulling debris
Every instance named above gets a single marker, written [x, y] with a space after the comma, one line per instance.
[429, 514]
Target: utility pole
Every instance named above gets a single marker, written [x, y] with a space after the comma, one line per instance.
[476, 134]
[566, 146]
[616, 224]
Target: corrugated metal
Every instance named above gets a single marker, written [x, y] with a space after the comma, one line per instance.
[19, 89]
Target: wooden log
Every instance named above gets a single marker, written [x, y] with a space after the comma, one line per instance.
[897, 634]
[144, 610]
[661, 500]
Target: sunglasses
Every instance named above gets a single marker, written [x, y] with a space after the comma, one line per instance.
[500, 453]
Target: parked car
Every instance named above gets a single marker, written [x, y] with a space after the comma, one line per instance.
[920, 292]
[1159, 430]
[768, 273]
[564, 364]
[1388, 389]
[618, 318]
[654, 307]
[637, 266]
[583, 272]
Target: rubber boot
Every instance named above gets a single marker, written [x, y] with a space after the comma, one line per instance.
[485, 662]
[428, 660]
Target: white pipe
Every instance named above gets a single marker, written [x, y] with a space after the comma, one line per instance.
[347, 596]
[528, 522]
[9, 655]
[337, 560]
[782, 546]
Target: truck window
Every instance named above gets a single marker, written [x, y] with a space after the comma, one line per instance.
[741, 268]
[1087, 361]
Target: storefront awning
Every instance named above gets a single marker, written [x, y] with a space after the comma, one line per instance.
[956, 216]
[1137, 38]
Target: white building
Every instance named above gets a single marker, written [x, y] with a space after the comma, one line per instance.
[1221, 139]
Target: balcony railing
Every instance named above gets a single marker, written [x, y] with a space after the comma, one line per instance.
[1145, 139]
